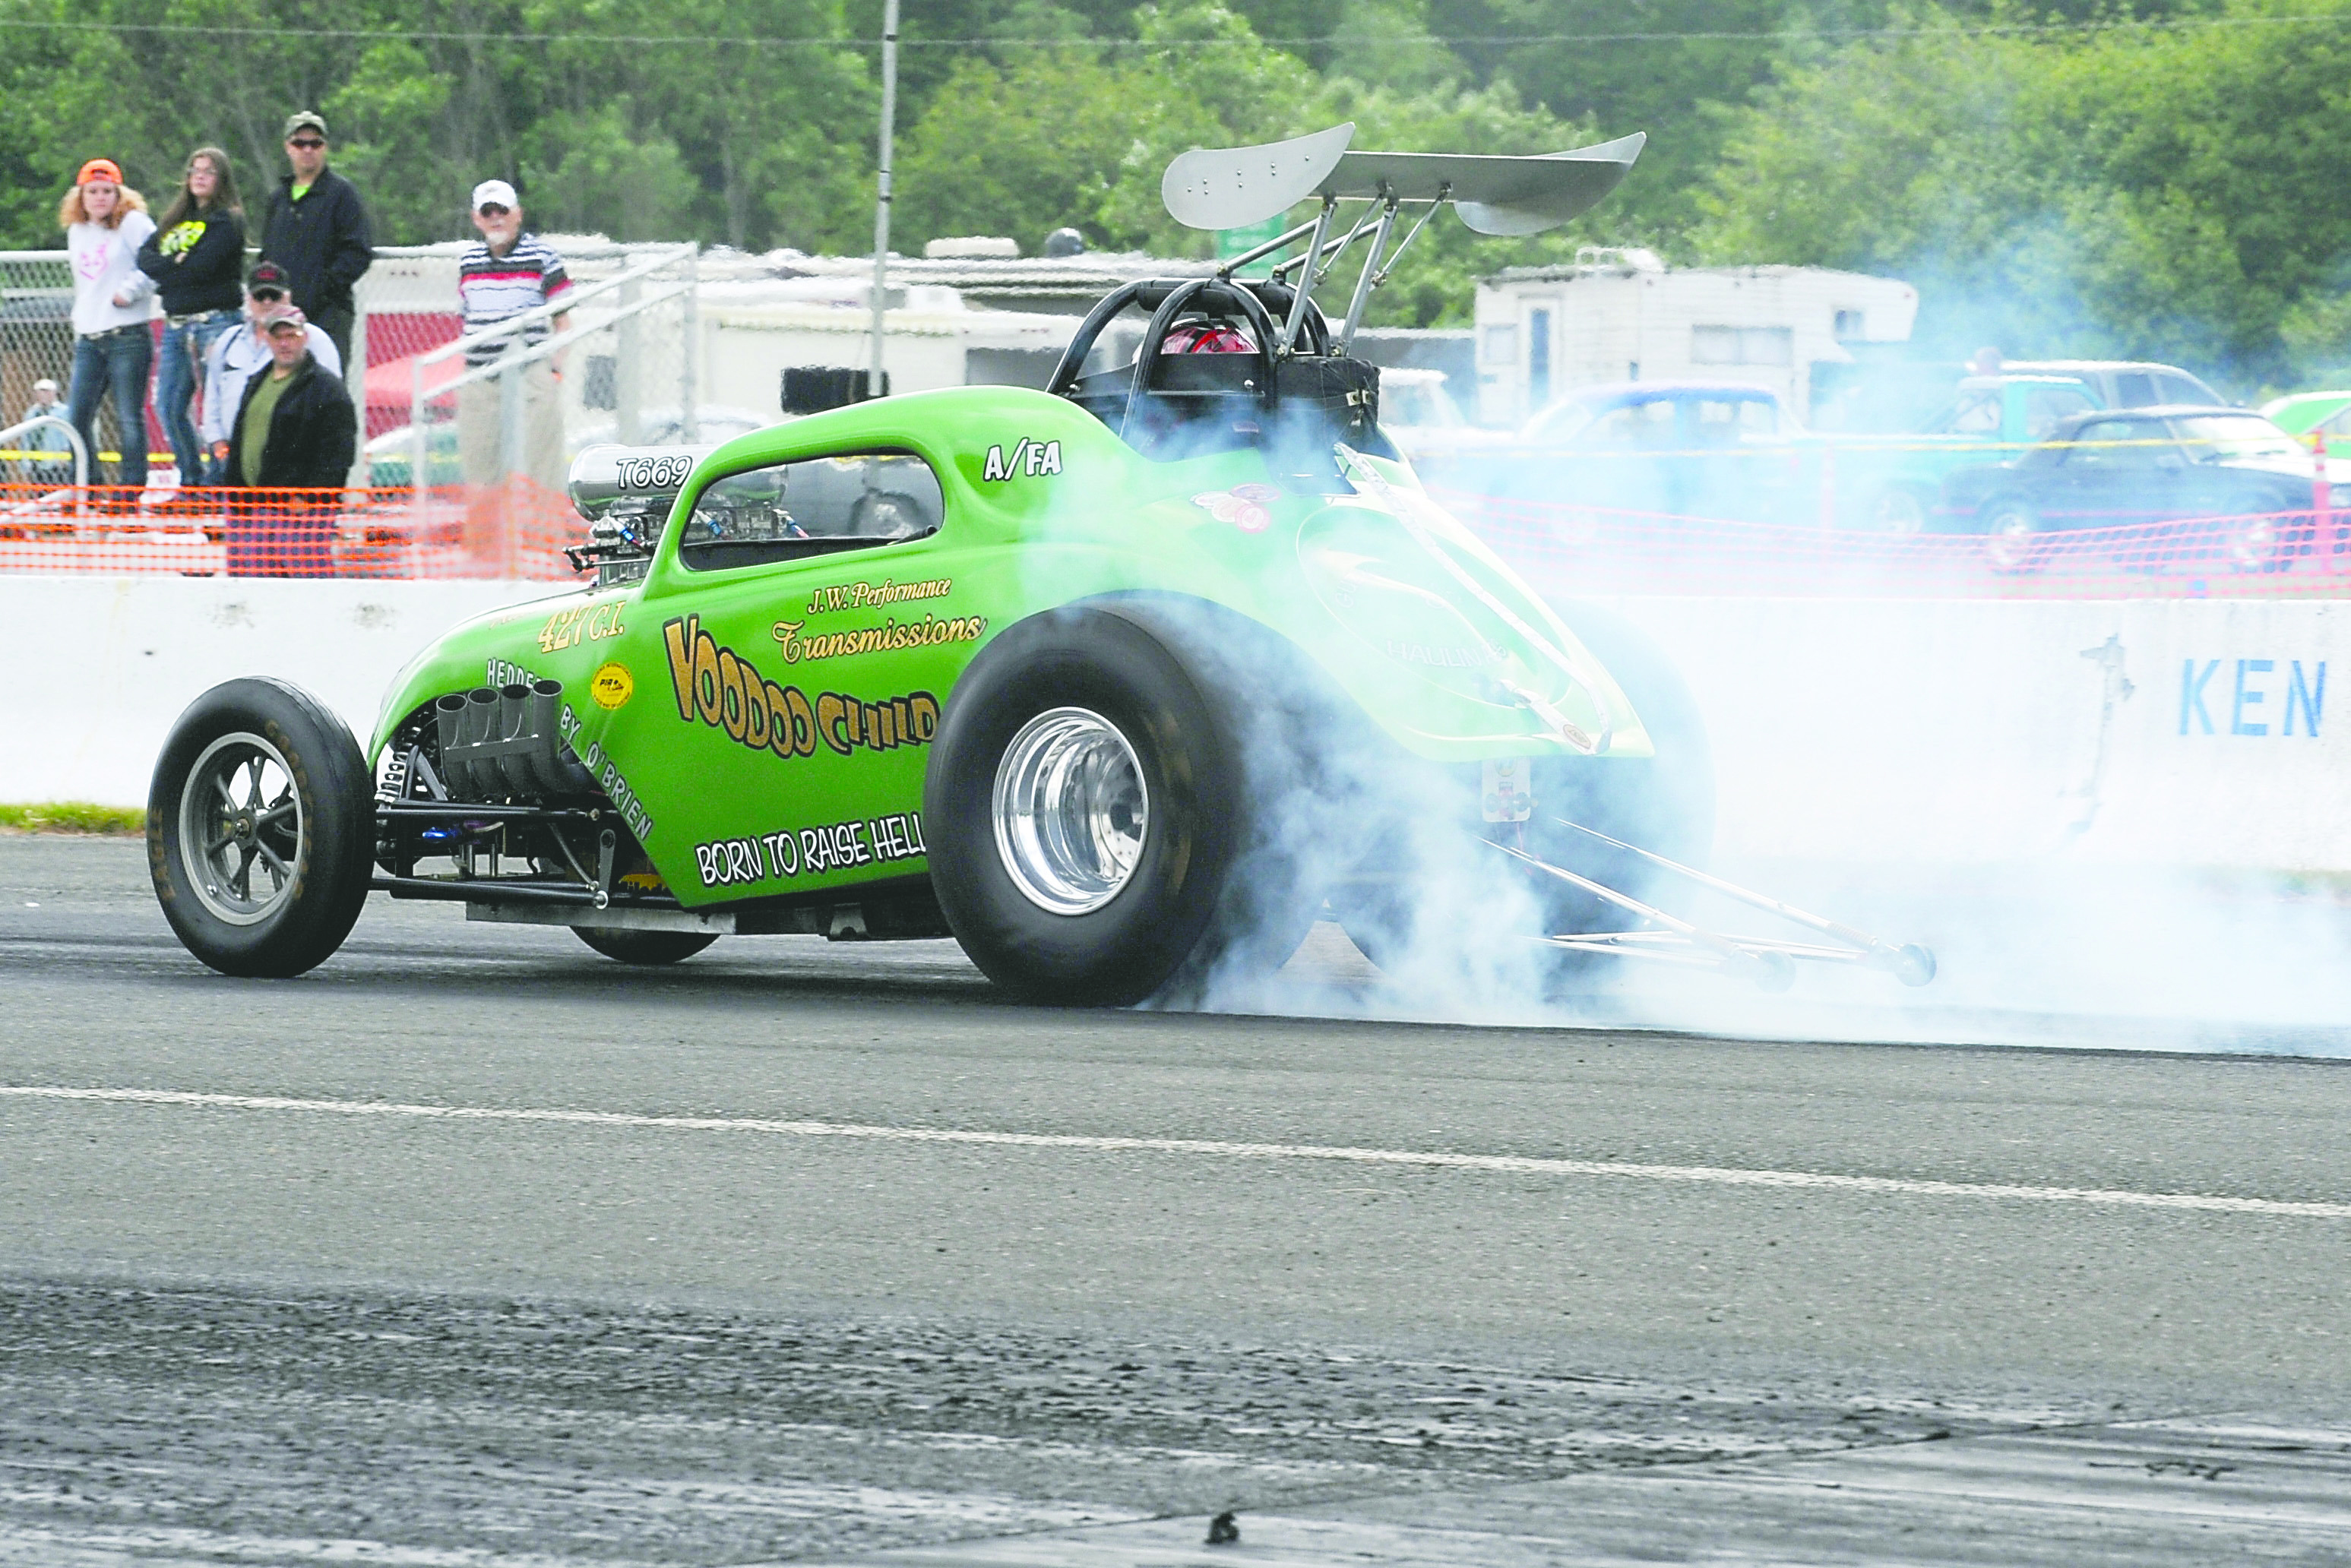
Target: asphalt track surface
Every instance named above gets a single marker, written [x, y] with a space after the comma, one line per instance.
[474, 1249]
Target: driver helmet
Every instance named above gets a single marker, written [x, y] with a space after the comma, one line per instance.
[1207, 338]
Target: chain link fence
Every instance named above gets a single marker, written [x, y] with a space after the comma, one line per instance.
[623, 364]
[36, 342]
[490, 425]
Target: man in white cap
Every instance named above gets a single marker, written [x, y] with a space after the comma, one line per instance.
[49, 437]
[509, 273]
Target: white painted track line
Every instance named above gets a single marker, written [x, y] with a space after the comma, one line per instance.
[1505, 1164]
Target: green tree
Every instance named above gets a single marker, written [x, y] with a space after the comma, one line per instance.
[2169, 194]
[1079, 136]
[383, 118]
[1642, 78]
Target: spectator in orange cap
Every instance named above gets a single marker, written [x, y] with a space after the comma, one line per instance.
[106, 222]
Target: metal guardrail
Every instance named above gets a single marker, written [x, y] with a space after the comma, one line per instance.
[634, 302]
[73, 438]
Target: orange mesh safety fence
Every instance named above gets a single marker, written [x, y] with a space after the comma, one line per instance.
[512, 529]
[519, 529]
[1563, 547]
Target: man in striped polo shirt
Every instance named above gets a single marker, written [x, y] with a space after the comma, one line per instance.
[508, 273]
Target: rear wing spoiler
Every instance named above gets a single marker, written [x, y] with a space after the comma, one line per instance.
[1232, 187]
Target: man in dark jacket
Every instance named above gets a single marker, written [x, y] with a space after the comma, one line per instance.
[296, 430]
[317, 229]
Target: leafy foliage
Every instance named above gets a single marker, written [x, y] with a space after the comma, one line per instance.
[2164, 190]
[2165, 194]
[737, 144]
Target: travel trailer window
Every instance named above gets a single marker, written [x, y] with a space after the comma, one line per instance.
[1742, 346]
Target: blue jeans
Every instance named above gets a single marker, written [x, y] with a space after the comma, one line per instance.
[177, 378]
[116, 360]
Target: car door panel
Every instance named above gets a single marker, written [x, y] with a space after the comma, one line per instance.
[783, 695]
[2112, 478]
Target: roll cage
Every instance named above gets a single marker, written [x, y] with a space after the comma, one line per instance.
[1297, 391]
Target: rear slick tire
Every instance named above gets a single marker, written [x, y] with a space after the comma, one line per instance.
[1088, 808]
[261, 830]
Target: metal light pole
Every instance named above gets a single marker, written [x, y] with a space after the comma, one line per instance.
[881, 203]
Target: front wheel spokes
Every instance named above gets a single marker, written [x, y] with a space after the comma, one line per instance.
[286, 807]
[278, 872]
[240, 881]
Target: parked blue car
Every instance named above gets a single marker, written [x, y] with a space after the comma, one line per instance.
[1709, 449]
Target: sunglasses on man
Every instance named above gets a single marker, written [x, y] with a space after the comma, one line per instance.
[305, 142]
[268, 295]
[493, 210]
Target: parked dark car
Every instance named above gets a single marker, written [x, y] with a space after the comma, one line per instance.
[1687, 448]
[2117, 468]
[1887, 483]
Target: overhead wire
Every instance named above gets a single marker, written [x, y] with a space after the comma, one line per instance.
[1513, 40]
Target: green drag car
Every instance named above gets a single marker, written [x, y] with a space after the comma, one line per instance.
[1122, 684]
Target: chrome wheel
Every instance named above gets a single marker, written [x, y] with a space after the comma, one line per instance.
[1897, 511]
[2009, 530]
[241, 828]
[1070, 809]
[2255, 545]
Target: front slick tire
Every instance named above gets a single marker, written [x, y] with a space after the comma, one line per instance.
[261, 830]
[1086, 805]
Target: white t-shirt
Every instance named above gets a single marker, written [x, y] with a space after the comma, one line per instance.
[105, 264]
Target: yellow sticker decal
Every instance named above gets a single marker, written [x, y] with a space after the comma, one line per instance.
[611, 686]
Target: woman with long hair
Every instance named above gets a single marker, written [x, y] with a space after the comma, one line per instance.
[196, 257]
[106, 222]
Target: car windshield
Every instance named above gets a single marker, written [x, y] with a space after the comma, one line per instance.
[1724, 419]
[1976, 413]
[1649, 422]
[2213, 436]
[1560, 422]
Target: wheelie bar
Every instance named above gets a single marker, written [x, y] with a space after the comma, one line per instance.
[1770, 962]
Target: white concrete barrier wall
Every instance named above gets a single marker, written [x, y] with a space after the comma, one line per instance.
[2173, 732]
[1897, 730]
[98, 668]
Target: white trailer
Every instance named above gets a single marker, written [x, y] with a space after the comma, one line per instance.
[1624, 316]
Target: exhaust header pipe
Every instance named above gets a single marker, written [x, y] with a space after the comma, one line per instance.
[505, 744]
